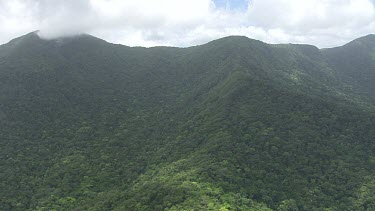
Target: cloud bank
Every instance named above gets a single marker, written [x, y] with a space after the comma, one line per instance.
[324, 23]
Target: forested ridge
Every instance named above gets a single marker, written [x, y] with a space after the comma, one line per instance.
[234, 124]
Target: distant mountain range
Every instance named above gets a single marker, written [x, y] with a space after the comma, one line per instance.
[234, 124]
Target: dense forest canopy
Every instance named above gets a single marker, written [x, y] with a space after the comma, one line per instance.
[235, 124]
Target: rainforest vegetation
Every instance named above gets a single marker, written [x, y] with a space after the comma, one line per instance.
[235, 124]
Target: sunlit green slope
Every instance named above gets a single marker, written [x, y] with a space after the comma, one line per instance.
[235, 124]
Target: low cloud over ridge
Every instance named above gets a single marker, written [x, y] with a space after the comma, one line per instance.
[324, 23]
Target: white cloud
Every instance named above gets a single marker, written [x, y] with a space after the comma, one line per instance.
[15, 19]
[190, 22]
[310, 13]
[324, 23]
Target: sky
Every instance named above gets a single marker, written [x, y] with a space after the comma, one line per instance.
[182, 23]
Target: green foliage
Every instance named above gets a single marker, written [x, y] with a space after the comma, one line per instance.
[235, 124]
[365, 195]
[288, 205]
[354, 64]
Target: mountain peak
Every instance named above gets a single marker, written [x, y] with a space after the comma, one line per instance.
[32, 43]
[365, 41]
[236, 39]
[236, 42]
[33, 38]
[369, 36]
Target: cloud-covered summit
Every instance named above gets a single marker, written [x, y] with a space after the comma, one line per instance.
[324, 23]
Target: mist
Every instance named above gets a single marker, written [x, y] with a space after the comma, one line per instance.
[185, 23]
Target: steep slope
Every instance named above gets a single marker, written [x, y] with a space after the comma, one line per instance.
[235, 124]
[354, 63]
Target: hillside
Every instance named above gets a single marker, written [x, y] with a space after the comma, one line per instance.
[354, 63]
[235, 124]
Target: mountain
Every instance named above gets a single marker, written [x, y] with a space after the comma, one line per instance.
[354, 63]
[235, 124]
